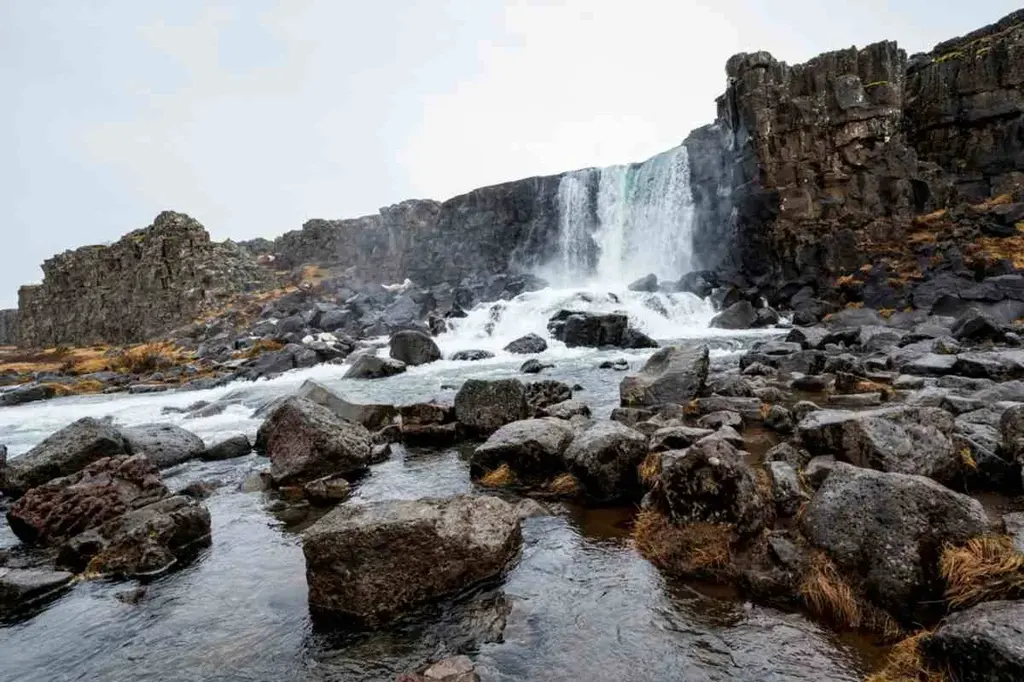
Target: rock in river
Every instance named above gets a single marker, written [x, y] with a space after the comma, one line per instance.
[605, 456]
[982, 644]
[671, 375]
[372, 563]
[531, 447]
[483, 407]
[165, 445]
[414, 348]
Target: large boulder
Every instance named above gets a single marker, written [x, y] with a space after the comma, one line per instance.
[982, 644]
[229, 448]
[306, 441]
[367, 366]
[143, 542]
[889, 529]
[67, 506]
[544, 393]
[647, 283]
[596, 330]
[671, 375]
[370, 415]
[65, 452]
[428, 424]
[525, 345]
[532, 448]
[906, 440]
[710, 482]
[372, 563]
[165, 445]
[483, 407]
[604, 456]
[740, 315]
[414, 348]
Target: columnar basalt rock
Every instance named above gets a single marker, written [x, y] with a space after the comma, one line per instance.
[9, 327]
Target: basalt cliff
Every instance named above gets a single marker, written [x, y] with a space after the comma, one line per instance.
[864, 176]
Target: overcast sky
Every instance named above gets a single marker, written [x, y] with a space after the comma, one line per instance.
[255, 115]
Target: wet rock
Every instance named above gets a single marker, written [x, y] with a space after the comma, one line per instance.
[740, 315]
[483, 407]
[471, 355]
[306, 441]
[543, 394]
[631, 416]
[428, 424]
[372, 416]
[257, 483]
[27, 394]
[372, 563]
[620, 365]
[788, 493]
[855, 400]
[676, 438]
[327, 490]
[132, 596]
[758, 369]
[605, 456]
[982, 644]
[729, 435]
[143, 542]
[67, 451]
[779, 419]
[809, 338]
[1000, 365]
[165, 445]
[791, 455]
[534, 366]
[530, 509]
[732, 385]
[975, 325]
[414, 348]
[748, 408]
[716, 420]
[367, 366]
[532, 448]
[19, 586]
[647, 283]
[63, 507]
[525, 345]
[710, 482]
[888, 529]
[597, 330]
[818, 469]
[235, 446]
[804, 408]
[567, 409]
[1013, 524]
[672, 375]
[199, 490]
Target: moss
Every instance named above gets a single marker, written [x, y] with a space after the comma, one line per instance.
[949, 56]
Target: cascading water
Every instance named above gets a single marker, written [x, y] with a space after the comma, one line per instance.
[616, 224]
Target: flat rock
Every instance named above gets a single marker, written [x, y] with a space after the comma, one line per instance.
[672, 375]
[372, 416]
[19, 586]
[165, 445]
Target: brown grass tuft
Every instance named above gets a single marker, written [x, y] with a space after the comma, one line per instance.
[886, 312]
[695, 549]
[565, 484]
[987, 568]
[827, 595]
[967, 459]
[499, 478]
[260, 347]
[649, 470]
[906, 664]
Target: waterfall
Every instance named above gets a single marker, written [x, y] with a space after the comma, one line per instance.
[638, 218]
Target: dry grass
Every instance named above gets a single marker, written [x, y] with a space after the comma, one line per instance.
[827, 595]
[846, 280]
[499, 478]
[987, 568]
[990, 250]
[906, 664]
[565, 484]
[260, 347]
[649, 470]
[695, 549]
[855, 304]
[886, 312]
[866, 268]
[932, 217]
[967, 459]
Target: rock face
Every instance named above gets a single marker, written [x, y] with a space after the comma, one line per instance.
[167, 275]
[483, 407]
[372, 563]
[982, 644]
[605, 456]
[889, 529]
[67, 506]
[165, 445]
[306, 441]
[671, 375]
[69, 450]
[9, 327]
[414, 348]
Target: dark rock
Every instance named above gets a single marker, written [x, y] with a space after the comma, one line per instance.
[788, 493]
[532, 448]
[804, 408]
[543, 394]
[596, 330]
[372, 416]
[889, 529]
[630, 416]
[740, 315]
[567, 409]
[69, 450]
[620, 365]
[676, 437]
[235, 446]
[672, 375]
[818, 469]
[327, 490]
[165, 445]
[414, 348]
[809, 338]
[64, 507]
[371, 563]
[306, 441]
[27, 394]
[20, 587]
[748, 408]
[198, 490]
[1000, 365]
[729, 435]
[372, 367]
[778, 418]
[716, 420]
[977, 326]
[785, 452]
[605, 456]
[813, 383]
[648, 283]
[525, 345]
[534, 366]
[471, 355]
[982, 644]
[483, 407]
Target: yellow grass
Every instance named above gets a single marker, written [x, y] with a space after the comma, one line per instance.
[565, 484]
[827, 595]
[499, 478]
[906, 664]
[650, 469]
[694, 549]
[886, 312]
[987, 568]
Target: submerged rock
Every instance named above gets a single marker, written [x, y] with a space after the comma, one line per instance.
[671, 375]
[483, 407]
[982, 644]
[372, 563]
[165, 445]
[605, 456]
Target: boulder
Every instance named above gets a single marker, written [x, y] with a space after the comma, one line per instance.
[65, 452]
[235, 446]
[647, 283]
[676, 438]
[543, 394]
[306, 441]
[672, 375]
[27, 394]
[1011, 430]
[985, 643]
[532, 448]
[372, 563]
[471, 355]
[165, 445]
[327, 490]
[144, 542]
[740, 315]
[428, 424]
[787, 491]
[596, 330]
[534, 366]
[975, 325]
[604, 456]
[567, 409]
[716, 420]
[710, 482]
[888, 529]
[67, 506]
[998, 365]
[22, 586]
[414, 348]
[483, 407]
[372, 416]
[366, 366]
[525, 345]
[809, 338]
[791, 455]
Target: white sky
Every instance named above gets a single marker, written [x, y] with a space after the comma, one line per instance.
[255, 115]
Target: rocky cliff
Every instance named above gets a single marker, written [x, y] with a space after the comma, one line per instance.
[8, 327]
[148, 282]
